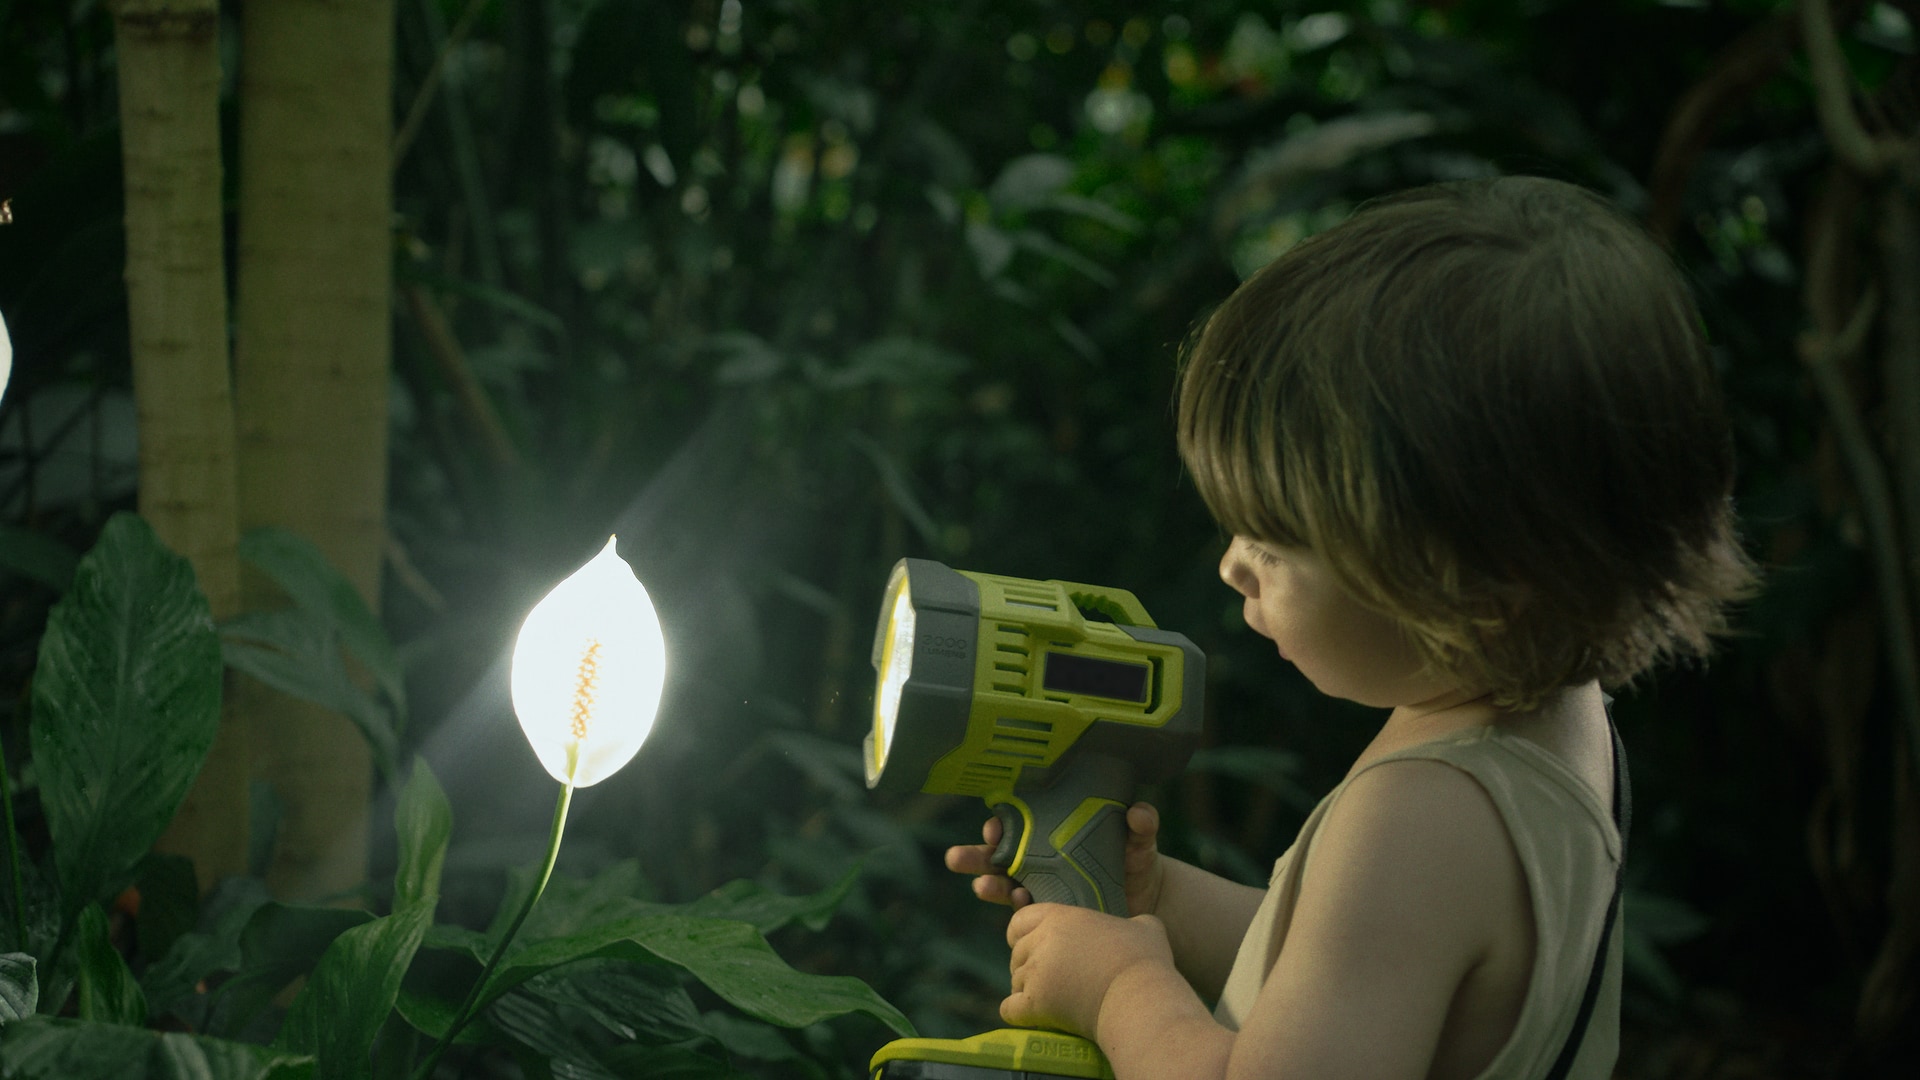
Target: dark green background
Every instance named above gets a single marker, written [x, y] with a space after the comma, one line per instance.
[781, 292]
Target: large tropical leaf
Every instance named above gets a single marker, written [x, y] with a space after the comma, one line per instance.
[126, 698]
[339, 1012]
[424, 821]
[43, 1048]
[107, 990]
[298, 653]
[767, 911]
[213, 945]
[298, 567]
[352, 991]
[730, 957]
[19, 987]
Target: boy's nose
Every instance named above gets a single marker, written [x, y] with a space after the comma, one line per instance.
[1236, 573]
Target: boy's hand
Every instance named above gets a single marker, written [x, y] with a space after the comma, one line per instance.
[1142, 860]
[1065, 959]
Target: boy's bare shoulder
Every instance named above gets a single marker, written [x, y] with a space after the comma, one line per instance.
[1414, 821]
[1412, 897]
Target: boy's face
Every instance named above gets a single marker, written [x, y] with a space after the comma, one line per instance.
[1344, 648]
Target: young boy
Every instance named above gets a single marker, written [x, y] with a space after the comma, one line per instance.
[1470, 450]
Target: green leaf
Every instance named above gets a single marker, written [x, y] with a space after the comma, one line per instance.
[731, 958]
[19, 987]
[126, 699]
[744, 358]
[736, 963]
[992, 248]
[213, 945]
[425, 823]
[545, 1030]
[298, 567]
[432, 1014]
[766, 910]
[107, 990]
[298, 653]
[570, 904]
[1030, 181]
[1662, 919]
[43, 1048]
[539, 1027]
[636, 1062]
[633, 1001]
[1041, 244]
[895, 359]
[36, 557]
[1643, 962]
[410, 270]
[340, 1010]
[280, 943]
[190, 1057]
[748, 1038]
[1095, 210]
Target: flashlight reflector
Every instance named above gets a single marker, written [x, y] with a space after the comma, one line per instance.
[896, 667]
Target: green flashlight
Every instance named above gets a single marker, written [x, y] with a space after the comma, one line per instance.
[1052, 701]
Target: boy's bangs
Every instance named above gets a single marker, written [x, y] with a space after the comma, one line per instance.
[1233, 452]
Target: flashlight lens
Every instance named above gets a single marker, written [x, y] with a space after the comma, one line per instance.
[896, 664]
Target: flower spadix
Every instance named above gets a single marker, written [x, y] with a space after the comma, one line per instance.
[587, 671]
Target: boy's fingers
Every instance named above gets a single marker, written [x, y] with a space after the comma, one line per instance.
[1000, 889]
[996, 890]
[969, 859]
[990, 831]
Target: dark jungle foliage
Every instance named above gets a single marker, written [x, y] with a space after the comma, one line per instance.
[780, 292]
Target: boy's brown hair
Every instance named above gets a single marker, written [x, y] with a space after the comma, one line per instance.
[1489, 405]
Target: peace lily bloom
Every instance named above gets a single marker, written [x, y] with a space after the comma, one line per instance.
[587, 671]
[6, 356]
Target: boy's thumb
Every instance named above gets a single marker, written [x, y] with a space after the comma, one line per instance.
[1143, 820]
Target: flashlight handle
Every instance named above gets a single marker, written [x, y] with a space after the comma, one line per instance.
[1065, 850]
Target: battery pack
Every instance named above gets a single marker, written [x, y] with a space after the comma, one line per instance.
[1005, 1054]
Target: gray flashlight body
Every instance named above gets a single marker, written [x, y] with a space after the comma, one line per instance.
[1074, 830]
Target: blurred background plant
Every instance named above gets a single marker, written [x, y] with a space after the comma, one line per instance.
[783, 291]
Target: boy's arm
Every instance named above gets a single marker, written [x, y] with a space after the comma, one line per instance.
[1206, 916]
[1412, 876]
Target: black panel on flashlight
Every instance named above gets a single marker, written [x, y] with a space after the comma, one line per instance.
[1070, 674]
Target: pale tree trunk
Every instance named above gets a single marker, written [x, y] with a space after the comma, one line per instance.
[311, 372]
[169, 72]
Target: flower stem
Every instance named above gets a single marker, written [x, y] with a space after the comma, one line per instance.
[465, 1014]
[13, 857]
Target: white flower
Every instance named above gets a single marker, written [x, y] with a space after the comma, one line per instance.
[6, 357]
[587, 671]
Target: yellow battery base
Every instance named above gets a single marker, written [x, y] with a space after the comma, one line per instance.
[1005, 1054]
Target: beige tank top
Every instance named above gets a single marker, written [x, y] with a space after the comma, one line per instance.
[1568, 848]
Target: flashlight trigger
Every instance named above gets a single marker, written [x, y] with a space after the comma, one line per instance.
[1012, 824]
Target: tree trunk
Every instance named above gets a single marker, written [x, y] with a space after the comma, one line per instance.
[169, 71]
[312, 351]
